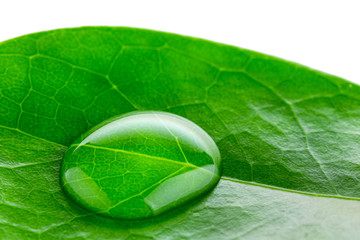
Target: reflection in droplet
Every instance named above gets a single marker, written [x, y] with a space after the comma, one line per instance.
[175, 189]
[80, 184]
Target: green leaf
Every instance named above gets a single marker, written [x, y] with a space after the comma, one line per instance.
[288, 135]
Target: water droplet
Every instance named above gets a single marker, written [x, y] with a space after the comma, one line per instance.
[140, 164]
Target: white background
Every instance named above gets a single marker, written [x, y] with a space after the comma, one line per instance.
[324, 35]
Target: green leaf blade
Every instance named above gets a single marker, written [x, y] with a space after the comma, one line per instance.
[276, 123]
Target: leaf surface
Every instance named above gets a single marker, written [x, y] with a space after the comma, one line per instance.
[288, 135]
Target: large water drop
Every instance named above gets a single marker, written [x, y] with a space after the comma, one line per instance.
[140, 164]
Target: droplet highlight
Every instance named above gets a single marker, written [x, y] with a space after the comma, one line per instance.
[140, 165]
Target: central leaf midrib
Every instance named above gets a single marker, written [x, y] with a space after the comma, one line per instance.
[32, 136]
[224, 178]
[187, 164]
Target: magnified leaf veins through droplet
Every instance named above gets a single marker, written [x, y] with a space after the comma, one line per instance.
[140, 164]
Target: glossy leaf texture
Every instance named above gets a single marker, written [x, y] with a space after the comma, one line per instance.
[288, 135]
